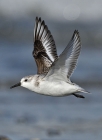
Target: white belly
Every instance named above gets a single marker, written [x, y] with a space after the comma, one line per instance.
[56, 88]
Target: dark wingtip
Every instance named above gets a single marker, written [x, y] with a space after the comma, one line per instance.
[43, 22]
[76, 32]
[36, 18]
[39, 18]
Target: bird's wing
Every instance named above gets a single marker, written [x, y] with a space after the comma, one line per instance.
[64, 66]
[44, 47]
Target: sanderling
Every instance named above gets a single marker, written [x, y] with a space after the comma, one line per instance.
[53, 71]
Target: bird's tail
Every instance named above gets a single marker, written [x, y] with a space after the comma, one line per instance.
[80, 90]
[83, 90]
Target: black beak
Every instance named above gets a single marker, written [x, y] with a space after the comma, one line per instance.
[16, 85]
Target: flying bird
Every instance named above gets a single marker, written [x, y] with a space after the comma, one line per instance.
[53, 71]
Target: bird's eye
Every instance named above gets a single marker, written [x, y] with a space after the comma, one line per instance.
[25, 80]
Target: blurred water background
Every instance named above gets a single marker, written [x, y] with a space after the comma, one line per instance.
[25, 115]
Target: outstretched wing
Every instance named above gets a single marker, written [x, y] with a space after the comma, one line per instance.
[64, 66]
[44, 47]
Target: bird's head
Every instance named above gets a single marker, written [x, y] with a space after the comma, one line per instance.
[24, 82]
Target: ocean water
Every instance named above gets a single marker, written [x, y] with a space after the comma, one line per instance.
[25, 115]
